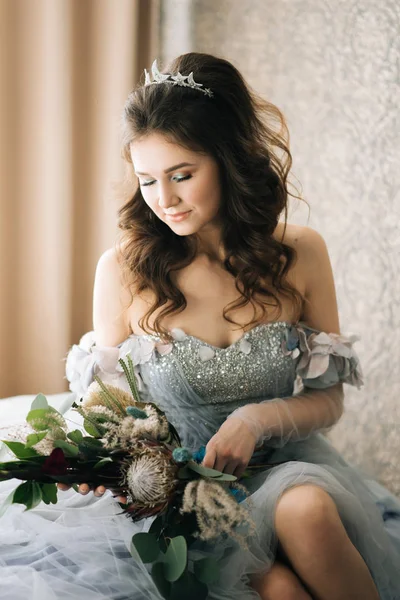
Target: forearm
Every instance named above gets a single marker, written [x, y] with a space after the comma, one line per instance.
[294, 417]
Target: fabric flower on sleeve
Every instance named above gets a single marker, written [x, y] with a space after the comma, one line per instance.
[324, 359]
[86, 359]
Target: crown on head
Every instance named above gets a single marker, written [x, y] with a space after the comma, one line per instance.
[182, 80]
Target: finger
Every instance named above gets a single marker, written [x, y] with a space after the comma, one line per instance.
[122, 499]
[63, 486]
[84, 489]
[99, 491]
[231, 468]
[220, 464]
[238, 472]
[209, 459]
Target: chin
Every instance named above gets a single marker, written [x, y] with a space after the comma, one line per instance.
[183, 231]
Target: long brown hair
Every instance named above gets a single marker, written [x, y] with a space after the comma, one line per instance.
[248, 138]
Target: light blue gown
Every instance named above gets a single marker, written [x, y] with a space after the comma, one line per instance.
[79, 547]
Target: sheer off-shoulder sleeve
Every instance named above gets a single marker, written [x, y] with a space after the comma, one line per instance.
[324, 361]
[87, 359]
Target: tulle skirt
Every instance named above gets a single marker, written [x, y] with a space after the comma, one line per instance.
[80, 547]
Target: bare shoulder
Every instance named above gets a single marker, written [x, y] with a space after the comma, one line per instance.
[110, 301]
[300, 237]
[312, 275]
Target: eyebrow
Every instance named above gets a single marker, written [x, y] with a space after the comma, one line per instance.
[184, 164]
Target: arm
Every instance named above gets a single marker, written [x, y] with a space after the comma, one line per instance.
[110, 300]
[284, 419]
[110, 321]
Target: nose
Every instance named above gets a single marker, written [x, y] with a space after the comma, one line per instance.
[167, 197]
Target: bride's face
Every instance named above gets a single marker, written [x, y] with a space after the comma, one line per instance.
[180, 186]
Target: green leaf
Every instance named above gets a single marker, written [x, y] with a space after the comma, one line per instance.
[206, 569]
[157, 573]
[28, 493]
[39, 402]
[91, 429]
[49, 493]
[185, 473]
[156, 526]
[41, 419]
[146, 546]
[103, 462]
[91, 447]
[225, 477]
[206, 472]
[188, 586]
[68, 449]
[92, 442]
[76, 436]
[175, 558]
[19, 449]
[34, 438]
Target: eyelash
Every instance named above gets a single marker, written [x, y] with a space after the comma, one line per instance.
[179, 181]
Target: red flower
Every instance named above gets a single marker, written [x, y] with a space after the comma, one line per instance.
[55, 464]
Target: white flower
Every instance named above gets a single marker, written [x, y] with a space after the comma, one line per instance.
[151, 476]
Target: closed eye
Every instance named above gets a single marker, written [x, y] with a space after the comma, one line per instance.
[176, 180]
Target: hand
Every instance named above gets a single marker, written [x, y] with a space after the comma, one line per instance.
[231, 448]
[84, 489]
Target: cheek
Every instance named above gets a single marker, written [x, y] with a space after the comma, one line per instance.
[206, 197]
[149, 198]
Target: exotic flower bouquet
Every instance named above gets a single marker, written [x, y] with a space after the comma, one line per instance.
[130, 447]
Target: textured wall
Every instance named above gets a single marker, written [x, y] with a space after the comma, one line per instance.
[333, 69]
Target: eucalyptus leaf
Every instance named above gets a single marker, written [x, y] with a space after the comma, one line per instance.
[19, 450]
[68, 449]
[175, 558]
[39, 402]
[146, 545]
[34, 438]
[206, 472]
[225, 477]
[206, 569]
[157, 573]
[76, 436]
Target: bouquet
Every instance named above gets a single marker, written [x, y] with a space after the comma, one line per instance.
[130, 447]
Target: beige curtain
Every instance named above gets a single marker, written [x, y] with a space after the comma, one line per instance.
[66, 67]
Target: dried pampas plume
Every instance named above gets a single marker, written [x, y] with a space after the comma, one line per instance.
[95, 396]
[217, 511]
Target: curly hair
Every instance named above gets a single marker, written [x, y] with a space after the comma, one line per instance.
[244, 134]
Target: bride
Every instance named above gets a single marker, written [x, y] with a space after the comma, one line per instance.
[230, 317]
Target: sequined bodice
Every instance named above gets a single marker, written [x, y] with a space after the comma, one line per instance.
[198, 385]
[254, 367]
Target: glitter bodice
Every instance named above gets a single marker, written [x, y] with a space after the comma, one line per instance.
[255, 366]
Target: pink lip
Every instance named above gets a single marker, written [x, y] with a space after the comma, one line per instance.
[179, 216]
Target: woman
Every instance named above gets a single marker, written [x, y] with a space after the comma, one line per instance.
[231, 319]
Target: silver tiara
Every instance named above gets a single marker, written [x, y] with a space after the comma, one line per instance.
[182, 80]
